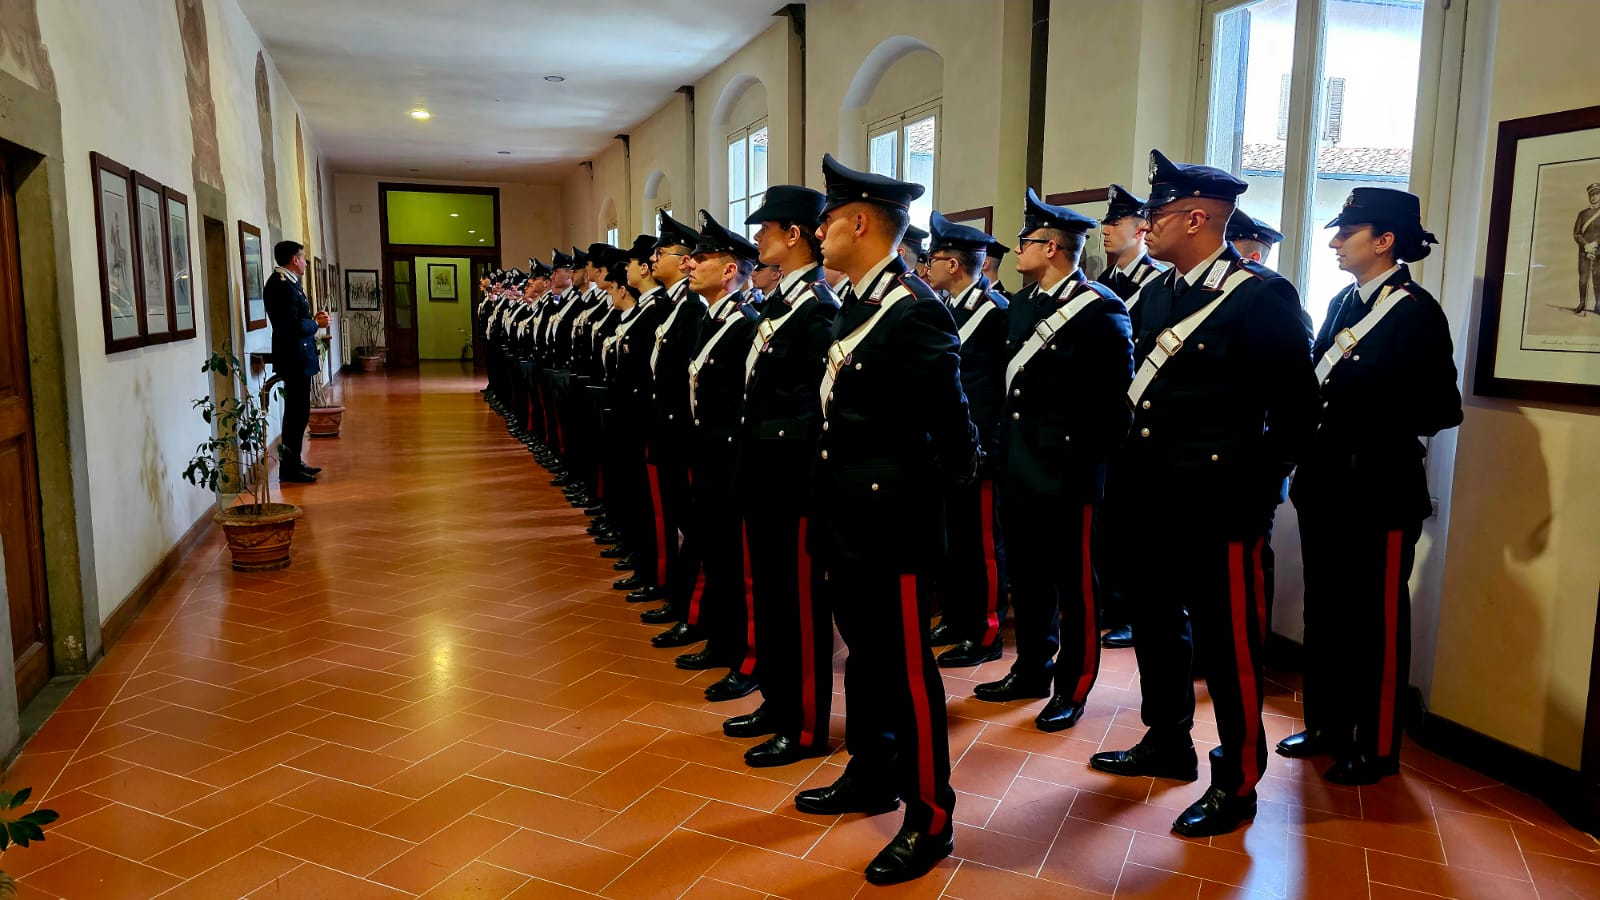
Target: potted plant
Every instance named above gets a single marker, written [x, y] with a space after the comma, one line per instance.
[370, 352]
[20, 831]
[237, 459]
[326, 414]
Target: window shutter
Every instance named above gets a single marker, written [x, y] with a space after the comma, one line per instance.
[1283, 108]
[1333, 123]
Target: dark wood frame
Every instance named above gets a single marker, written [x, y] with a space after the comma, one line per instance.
[244, 270]
[452, 268]
[1087, 195]
[98, 164]
[315, 291]
[169, 197]
[966, 216]
[1512, 132]
[376, 277]
[145, 182]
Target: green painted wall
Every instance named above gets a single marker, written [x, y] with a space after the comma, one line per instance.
[424, 218]
[437, 320]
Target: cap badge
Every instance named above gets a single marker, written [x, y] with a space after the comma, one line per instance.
[1350, 200]
[1154, 168]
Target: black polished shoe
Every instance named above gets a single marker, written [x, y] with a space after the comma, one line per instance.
[911, 855]
[296, 476]
[1303, 744]
[614, 553]
[969, 653]
[1059, 714]
[732, 686]
[604, 536]
[780, 750]
[846, 796]
[595, 511]
[1013, 687]
[661, 615]
[680, 635]
[565, 479]
[631, 583]
[941, 635]
[1177, 763]
[315, 470]
[1362, 769]
[625, 564]
[581, 501]
[644, 594]
[1218, 812]
[701, 660]
[1118, 638]
[756, 724]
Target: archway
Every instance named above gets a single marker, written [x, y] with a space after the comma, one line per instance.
[925, 65]
[657, 195]
[890, 116]
[606, 221]
[738, 142]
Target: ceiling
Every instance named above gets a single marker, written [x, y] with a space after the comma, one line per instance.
[359, 67]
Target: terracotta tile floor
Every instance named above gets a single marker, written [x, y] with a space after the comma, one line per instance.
[442, 697]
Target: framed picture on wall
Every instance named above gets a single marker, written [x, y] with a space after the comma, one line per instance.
[150, 237]
[316, 283]
[442, 282]
[333, 287]
[1092, 203]
[981, 218]
[121, 310]
[180, 278]
[252, 268]
[1539, 331]
[361, 291]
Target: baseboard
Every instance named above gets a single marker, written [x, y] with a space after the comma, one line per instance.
[1559, 787]
[123, 617]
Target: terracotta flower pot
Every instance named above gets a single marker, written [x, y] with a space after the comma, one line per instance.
[371, 362]
[259, 542]
[325, 420]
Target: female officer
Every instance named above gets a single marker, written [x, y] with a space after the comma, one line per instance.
[1388, 376]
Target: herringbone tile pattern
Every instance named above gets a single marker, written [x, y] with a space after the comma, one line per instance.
[442, 697]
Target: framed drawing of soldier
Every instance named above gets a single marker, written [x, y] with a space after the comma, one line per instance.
[361, 289]
[1092, 203]
[121, 311]
[180, 279]
[150, 237]
[252, 269]
[442, 283]
[1539, 326]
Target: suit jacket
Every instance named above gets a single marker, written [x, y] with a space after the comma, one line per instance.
[294, 345]
[1066, 411]
[896, 432]
[1396, 386]
[1219, 429]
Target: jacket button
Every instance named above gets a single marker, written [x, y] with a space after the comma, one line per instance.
[1016, 417]
[874, 487]
[1144, 432]
[1215, 457]
[741, 420]
[780, 432]
[858, 367]
[1356, 358]
[669, 417]
[1147, 404]
[730, 438]
[1068, 438]
[1016, 392]
[696, 422]
[824, 426]
[824, 454]
[1199, 346]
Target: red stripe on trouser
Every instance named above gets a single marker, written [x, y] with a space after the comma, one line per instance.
[808, 649]
[660, 525]
[1261, 590]
[1391, 628]
[911, 628]
[991, 574]
[1091, 631]
[1249, 700]
[600, 484]
[695, 596]
[748, 665]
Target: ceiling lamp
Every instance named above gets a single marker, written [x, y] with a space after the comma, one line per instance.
[421, 115]
[554, 79]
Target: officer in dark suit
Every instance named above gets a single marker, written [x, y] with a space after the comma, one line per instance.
[970, 582]
[996, 251]
[294, 353]
[1388, 378]
[1225, 404]
[1253, 238]
[895, 431]
[1128, 269]
[782, 419]
[1065, 412]
[671, 427]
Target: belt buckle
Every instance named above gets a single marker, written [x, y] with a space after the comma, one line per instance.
[1169, 341]
[766, 329]
[836, 358]
[1345, 340]
[1044, 330]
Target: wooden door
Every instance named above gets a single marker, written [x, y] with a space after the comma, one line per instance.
[480, 351]
[20, 533]
[400, 313]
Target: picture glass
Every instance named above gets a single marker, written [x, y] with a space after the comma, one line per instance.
[118, 250]
[441, 282]
[361, 289]
[152, 261]
[182, 281]
[254, 278]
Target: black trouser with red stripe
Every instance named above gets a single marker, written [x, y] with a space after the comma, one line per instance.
[1225, 589]
[720, 601]
[895, 727]
[671, 568]
[794, 622]
[1358, 628]
[1055, 595]
[972, 580]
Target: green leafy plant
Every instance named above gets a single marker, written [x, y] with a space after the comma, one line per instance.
[24, 828]
[322, 384]
[367, 329]
[236, 458]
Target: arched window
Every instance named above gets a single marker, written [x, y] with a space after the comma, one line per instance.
[747, 172]
[906, 147]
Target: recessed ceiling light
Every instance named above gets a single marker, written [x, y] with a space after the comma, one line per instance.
[421, 115]
[480, 240]
[472, 231]
[554, 79]
[455, 215]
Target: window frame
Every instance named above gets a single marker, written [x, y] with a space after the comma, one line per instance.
[898, 123]
[742, 136]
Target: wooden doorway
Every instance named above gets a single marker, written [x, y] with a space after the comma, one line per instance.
[403, 241]
[20, 531]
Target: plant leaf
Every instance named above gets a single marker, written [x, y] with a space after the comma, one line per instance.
[19, 798]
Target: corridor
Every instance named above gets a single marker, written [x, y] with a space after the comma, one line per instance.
[443, 697]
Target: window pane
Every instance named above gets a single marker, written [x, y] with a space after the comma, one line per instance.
[611, 235]
[883, 152]
[1249, 103]
[737, 210]
[1369, 105]
[755, 203]
[738, 187]
[758, 161]
[921, 137]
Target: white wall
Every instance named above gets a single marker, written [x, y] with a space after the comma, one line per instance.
[139, 428]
